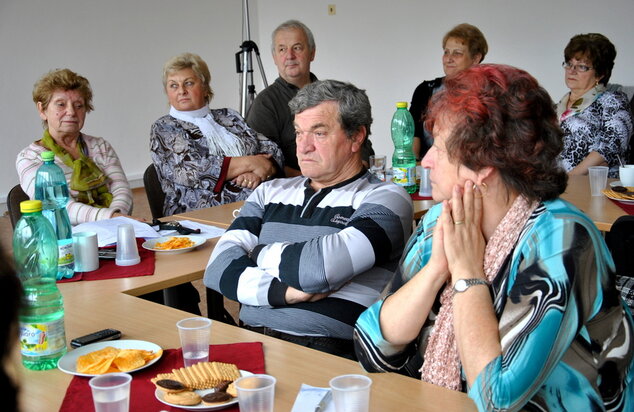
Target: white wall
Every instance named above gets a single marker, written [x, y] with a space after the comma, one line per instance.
[384, 47]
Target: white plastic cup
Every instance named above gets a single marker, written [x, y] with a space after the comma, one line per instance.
[256, 393]
[626, 175]
[195, 334]
[111, 392]
[424, 188]
[86, 251]
[127, 250]
[351, 393]
[598, 179]
[377, 166]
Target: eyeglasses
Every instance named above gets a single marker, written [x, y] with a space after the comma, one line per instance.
[576, 67]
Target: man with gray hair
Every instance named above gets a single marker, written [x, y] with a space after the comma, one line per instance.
[308, 254]
[293, 48]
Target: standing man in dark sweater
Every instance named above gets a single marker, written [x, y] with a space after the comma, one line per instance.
[293, 48]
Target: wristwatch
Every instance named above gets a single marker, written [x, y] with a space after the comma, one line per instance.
[463, 284]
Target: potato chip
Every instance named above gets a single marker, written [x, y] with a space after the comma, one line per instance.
[174, 243]
[129, 359]
[111, 359]
[97, 362]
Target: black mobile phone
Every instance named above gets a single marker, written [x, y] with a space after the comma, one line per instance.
[105, 334]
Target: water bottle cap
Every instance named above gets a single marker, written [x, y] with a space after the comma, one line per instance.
[30, 206]
[48, 156]
[401, 105]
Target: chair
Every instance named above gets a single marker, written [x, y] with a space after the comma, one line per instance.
[154, 191]
[620, 241]
[177, 296]
[15, 196]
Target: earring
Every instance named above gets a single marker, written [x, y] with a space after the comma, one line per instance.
[482, 190]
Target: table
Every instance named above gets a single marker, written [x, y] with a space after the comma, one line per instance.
[94, 305]
[600, 209]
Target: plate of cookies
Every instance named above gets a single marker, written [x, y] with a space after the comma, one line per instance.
[205, 386]
[623, 194]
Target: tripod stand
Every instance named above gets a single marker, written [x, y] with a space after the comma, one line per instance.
[244, 64]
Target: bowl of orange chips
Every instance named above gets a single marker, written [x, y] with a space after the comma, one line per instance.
[110, 356]
[174, 244]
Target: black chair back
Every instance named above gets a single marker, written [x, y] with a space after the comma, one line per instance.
[154, 192]
[16, 195]
[620, 241]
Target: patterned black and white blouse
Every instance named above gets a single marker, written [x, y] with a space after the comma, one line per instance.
[604, 127]
[190, 176]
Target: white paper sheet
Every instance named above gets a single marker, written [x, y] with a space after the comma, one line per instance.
[308, 398]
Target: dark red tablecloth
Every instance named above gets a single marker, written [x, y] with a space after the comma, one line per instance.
[416, 196]
[108, 269]
[247, 356]
[629, 208]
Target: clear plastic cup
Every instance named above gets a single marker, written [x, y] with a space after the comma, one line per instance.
[351, 393]
[377, 166]
[424, 187]
[195, 334]
[256, 393]
[127, 250]
[111, 392]
[598, 179]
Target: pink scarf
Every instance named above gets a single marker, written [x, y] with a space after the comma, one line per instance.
[442, 363]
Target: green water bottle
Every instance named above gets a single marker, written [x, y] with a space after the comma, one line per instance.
[35, 252]
[403, 159]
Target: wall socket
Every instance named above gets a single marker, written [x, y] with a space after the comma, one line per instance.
[332, 9]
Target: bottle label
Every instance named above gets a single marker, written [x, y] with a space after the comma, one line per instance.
[404, 176]
[65, 248]
[42, 339]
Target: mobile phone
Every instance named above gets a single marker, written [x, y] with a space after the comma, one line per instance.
[107, 253]
[105, 334]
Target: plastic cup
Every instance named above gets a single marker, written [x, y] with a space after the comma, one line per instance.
[351, 393]
[195, 334]
[256, 393]
[598, 179]
[626, 175]
[127, 251]
[424, 188]
[86, 251]
[111, 392]
[377, 166]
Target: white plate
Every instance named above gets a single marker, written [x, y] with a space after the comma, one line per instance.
[149, 244]
[68, 362]
[202, 392]
[615, 183]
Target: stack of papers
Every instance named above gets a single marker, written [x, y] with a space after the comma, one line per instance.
[106, 230]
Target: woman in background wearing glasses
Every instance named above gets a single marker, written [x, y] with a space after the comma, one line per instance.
[463, 46]
[597, 124]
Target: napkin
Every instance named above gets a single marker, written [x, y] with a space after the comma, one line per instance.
[629, 208]
[108, 269]
[247, 356]
[308, 398]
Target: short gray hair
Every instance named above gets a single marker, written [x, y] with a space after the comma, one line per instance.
[294, 24]
[354, 106]
[190, 61]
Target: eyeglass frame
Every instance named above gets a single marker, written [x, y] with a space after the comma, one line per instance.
[581, 68]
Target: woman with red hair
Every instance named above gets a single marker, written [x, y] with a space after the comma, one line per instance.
[504, 291]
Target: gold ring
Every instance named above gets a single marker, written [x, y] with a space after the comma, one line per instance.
[458, 222]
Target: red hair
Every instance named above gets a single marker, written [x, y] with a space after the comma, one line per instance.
[504, 119]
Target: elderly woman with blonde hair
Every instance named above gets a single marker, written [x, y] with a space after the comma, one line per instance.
[205, 157]
[98, 186]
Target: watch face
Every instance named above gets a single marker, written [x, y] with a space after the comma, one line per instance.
[461, 285]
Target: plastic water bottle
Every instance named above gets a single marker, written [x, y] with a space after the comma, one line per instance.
[42, 333]
[52, 190]
[403, 159]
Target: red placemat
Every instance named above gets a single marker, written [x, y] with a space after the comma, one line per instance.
[247, 356]
[108, 269]
[417, 196]
[627, 207]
